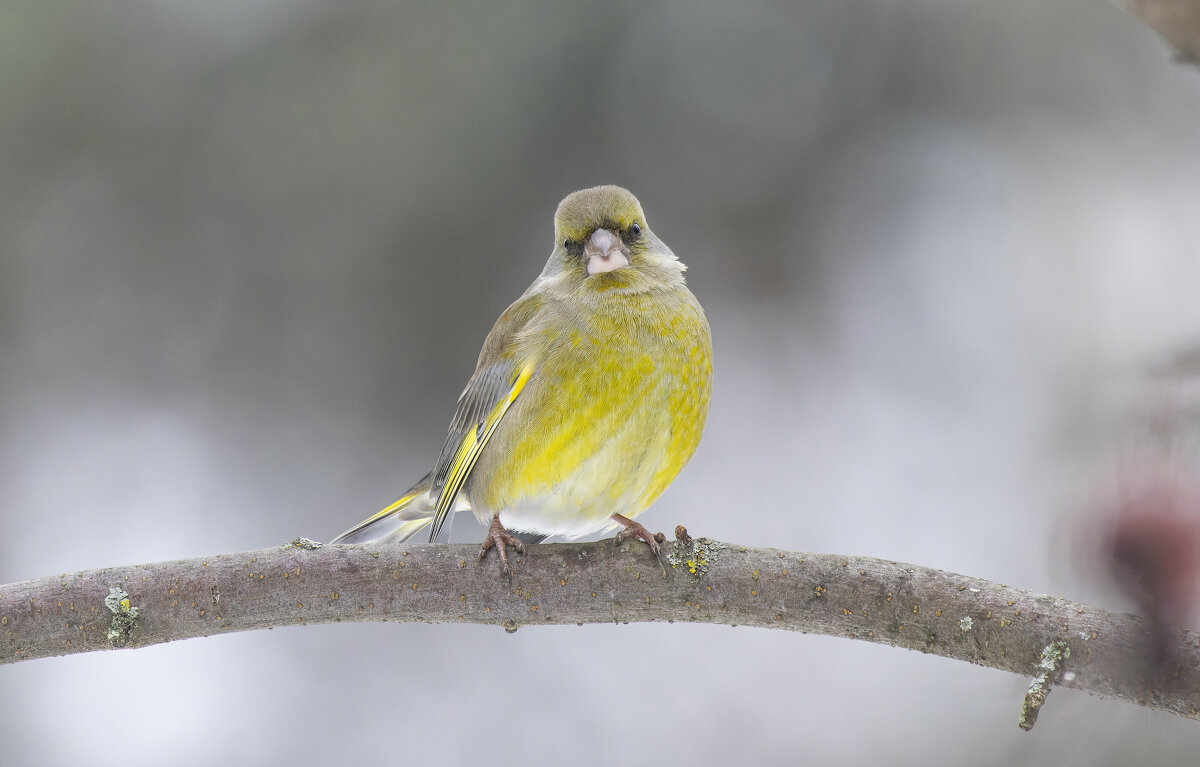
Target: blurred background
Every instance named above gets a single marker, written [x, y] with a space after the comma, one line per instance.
[249, 251]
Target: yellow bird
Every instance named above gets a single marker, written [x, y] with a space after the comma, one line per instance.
[589, 396]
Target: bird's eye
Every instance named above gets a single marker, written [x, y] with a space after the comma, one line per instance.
[635, 229]
[567, 244]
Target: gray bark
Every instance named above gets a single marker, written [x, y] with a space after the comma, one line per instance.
[861, 598]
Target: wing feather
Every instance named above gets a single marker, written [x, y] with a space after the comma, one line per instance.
[481, 406]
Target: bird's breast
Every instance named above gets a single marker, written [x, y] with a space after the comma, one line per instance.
[614, 410]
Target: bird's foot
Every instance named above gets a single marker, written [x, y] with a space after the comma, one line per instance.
[633, 529]
[501, 539]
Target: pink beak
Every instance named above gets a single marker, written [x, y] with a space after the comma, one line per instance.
[604, 252]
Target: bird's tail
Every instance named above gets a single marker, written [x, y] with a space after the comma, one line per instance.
[409, 515]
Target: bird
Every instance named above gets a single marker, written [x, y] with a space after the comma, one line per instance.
[589, 396]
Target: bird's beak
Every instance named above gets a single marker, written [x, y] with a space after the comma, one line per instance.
[604, 252]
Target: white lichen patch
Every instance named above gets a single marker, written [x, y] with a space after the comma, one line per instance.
[124, 617]
[302, 543]
[695, 557]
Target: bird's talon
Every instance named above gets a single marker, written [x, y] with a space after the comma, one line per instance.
[636, 530]
[500, 539]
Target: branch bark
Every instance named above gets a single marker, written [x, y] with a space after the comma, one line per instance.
[872, 600]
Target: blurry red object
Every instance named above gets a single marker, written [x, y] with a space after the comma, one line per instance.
[1153, 550]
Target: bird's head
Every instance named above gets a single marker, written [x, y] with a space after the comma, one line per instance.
[603, 244]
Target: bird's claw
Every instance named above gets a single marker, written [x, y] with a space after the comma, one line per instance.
[636, 530]
[500, 539]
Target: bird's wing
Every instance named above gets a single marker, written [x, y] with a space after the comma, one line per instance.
[481, 406]
[500, 375]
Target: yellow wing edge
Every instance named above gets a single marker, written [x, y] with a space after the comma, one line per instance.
[469, 449]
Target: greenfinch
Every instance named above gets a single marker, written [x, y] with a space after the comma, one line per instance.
[590, 394]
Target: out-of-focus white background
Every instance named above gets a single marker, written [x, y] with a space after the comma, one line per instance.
[249, 250]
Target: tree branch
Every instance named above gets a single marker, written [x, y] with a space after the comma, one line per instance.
[891, 603]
